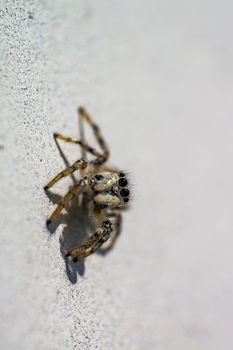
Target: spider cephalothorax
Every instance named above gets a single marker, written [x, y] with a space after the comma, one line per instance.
[108, 189]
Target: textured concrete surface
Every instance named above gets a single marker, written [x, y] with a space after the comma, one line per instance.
[158, 78]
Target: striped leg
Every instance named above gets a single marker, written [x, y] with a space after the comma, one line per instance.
[82, 136]
[92, 244]
[98, 135]
[75, 190]
[85, 146]
[80, 164]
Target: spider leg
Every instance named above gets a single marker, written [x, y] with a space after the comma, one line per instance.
[82, 135]
[80, 164]
[75, 190]
[100, 157]
[98, 135]
[93, 243]
[84, 146]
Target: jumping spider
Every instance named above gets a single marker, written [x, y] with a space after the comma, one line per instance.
[105, 186]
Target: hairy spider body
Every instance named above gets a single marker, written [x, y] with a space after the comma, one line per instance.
[107, 188]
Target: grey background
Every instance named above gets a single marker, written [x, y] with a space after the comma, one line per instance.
[158, 77]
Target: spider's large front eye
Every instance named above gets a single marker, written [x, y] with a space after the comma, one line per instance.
[98, 177]
[122, 182]
[124, 192]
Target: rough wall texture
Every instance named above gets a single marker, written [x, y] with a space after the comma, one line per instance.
[158, 78]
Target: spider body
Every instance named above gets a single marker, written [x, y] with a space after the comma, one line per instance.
[107, 190]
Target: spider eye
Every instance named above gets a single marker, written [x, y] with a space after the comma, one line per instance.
[124, 192]
[98, 177]
[122, 175]
[122, 182]
[126, 200]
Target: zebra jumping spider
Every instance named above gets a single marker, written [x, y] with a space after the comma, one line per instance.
[107, 190]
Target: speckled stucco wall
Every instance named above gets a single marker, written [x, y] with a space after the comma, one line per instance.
[158, 78]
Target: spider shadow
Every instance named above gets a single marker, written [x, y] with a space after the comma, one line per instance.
[76, 226]
[75, 231]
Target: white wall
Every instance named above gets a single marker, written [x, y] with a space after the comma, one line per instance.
[158, 77]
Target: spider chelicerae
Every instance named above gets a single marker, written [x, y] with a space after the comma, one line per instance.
[106, 187]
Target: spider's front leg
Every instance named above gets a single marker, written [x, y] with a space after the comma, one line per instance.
[98, 135]
[75, 190]
[93, 243]
[80, 164]
[101, 157]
